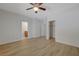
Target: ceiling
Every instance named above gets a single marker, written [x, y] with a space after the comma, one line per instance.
[51, 9]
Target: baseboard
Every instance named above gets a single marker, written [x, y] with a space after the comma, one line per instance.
[3, 43]
[68, 43]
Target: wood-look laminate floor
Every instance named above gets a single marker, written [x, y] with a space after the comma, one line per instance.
[38, 47]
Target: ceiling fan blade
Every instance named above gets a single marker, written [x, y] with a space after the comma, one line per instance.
[40, 3]
[32, 3]
[36, 3]
[42, 8]
[29, 8]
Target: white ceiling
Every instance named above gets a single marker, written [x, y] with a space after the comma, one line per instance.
[51, 9]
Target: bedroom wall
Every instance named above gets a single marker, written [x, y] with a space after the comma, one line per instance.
[10, 27]
[67, 26]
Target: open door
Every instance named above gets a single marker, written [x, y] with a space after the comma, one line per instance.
[51, 29]
[25, 32]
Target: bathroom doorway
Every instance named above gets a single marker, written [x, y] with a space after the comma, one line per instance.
[25, 32]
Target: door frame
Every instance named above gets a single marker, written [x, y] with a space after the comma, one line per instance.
[53, 31]
[23, 30]
[47, 29]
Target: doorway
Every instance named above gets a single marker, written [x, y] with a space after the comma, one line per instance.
[52, 29]
[25, 32]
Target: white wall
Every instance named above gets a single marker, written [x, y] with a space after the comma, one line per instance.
[42, 28]
[39, 28]
[36, 28]
[67, 26]
[11, 28]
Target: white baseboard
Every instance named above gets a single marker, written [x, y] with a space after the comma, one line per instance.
[69, 43]
[2, 43]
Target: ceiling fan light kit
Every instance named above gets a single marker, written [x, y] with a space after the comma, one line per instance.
[36, 7]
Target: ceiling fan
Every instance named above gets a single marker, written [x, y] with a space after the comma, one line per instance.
[36, 7]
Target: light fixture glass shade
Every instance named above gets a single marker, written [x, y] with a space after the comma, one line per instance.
[35, 8]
